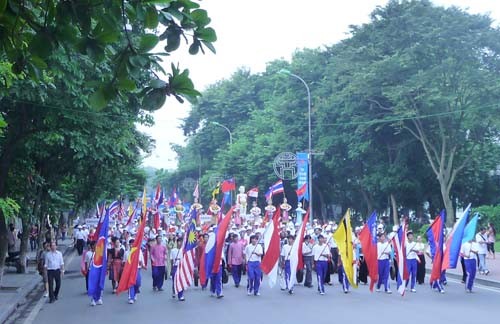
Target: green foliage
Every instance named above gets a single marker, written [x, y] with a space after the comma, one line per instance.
[9, 207]
[121, 34]
[488, 214]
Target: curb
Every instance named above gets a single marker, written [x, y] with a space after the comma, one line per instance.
[481, 281]
[26, 290]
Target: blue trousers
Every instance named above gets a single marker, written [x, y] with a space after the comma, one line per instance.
[383, 274]
[132, 291]
[321, 269]
[470, 268]
[288, 273]
[158, 274]
[254, 275]
[343, 278]
[180, 294]
[236, 273]
[216, 282]
[412, 272]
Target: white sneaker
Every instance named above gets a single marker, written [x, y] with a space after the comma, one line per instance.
[249, 292]
[321, 293]
[377, 290]
[46, 295]
[130, 301]
[92, 302]
[388, 292]
[413, 290]
[99, 302]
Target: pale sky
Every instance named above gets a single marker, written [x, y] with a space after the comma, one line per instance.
[251, 33]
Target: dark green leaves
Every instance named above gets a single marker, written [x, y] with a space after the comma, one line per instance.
[148, 42]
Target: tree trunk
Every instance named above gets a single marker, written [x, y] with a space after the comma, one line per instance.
[322, 207]
[448, 205]
[24, 244]
[368, 201]
[394, 207]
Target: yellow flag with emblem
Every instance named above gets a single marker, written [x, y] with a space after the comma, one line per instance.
[144, 202]
[343, 238]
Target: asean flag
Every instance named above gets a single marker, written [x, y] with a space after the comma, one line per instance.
[98, 266]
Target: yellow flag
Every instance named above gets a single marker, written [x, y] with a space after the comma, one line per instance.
[343, 237]
[144, 202]
[216, 191]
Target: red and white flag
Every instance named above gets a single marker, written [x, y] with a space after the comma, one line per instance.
[296, 251]
[196, 192]
[270, 262]
[254, 192]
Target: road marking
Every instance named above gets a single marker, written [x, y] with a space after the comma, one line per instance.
[39, 304]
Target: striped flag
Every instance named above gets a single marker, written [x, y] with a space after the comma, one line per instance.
[254, 192]
[398, 241]
[184, 275]
[114, 208]
[196, 192]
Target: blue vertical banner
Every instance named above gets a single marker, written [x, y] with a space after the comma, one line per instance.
[302, 173]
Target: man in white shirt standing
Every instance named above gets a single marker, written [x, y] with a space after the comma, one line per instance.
[469, 251]
[54, 265]
[383, 255]
[307, 256]
[253, 254]
[481, 240]
[411, 260]
[175, 257]
[285, 262]
[322, 255]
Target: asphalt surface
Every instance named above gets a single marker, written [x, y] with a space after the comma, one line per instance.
[273, 306]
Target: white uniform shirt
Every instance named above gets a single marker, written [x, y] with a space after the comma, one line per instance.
[54, 260]
[382, 249]
[251, 252]
[411, 248]
[88, 257]
[175, 256]
[481, 242]
[285, 251]
[307, 249]
[420, 248]
[321, 252]
[469, 250]
[80, 235]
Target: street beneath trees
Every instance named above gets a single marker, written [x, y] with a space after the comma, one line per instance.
[273, 306]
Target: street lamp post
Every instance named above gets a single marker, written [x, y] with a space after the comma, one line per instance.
[309, 149]
[227, 129]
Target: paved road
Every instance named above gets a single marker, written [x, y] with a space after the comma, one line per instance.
[273, 306]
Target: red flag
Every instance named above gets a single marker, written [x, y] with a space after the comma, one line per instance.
[129, 274]
[300, 238]
[272, 253]
[254, 192]
[228, 185]
[220, 239]
[368, 240]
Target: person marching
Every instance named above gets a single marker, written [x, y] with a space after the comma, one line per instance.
[54, 266]
[420, 248]
[235, 259]
[176, 256]
[134, 289]
[158, 255]
[322, 254]
[342, 276]
[88, 261]
[383, 252]
[469, 252]
[253, 254]
[411, 260]
[216, 280]
[285, 262]
[115, 262]
[307, 257]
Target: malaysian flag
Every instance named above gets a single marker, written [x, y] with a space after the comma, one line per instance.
[184, 275]
[398, 242]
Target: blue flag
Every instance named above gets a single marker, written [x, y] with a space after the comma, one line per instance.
[470, 229]
[98, 265]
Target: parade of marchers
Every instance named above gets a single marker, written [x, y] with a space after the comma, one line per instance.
[273, 247]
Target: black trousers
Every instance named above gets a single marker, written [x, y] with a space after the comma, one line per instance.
[54, 275]
[421, 269]
[79, 246]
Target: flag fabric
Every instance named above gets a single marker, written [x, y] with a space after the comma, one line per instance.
[216, 191]
[454, 242]
[174, 199]
[131, 213]
[101, 213]
[185, 271]
[470, 229]
[98, 266]
[270, 261]
[343, 238]
[156, 220]
[301, 192]
[158, 196]
[368, 239]
[226, 200]
[399, 244]
[296, 261]
[275, 189]
[114, 208]
[221, 239]
[254, 192]
[129, 273]
[196, 192]
[435, 237]
[207, 259]
[144, 203]
[228, 185]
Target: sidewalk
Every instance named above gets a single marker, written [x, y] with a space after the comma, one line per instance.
[492, 279]
[17, 286]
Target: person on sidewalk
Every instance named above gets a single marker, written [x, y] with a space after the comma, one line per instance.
[41, 267]
[80, 239]
[482, 242]
[235, 259]
[492, 235]
[469, 252]
[54, 265]
[158, 255]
